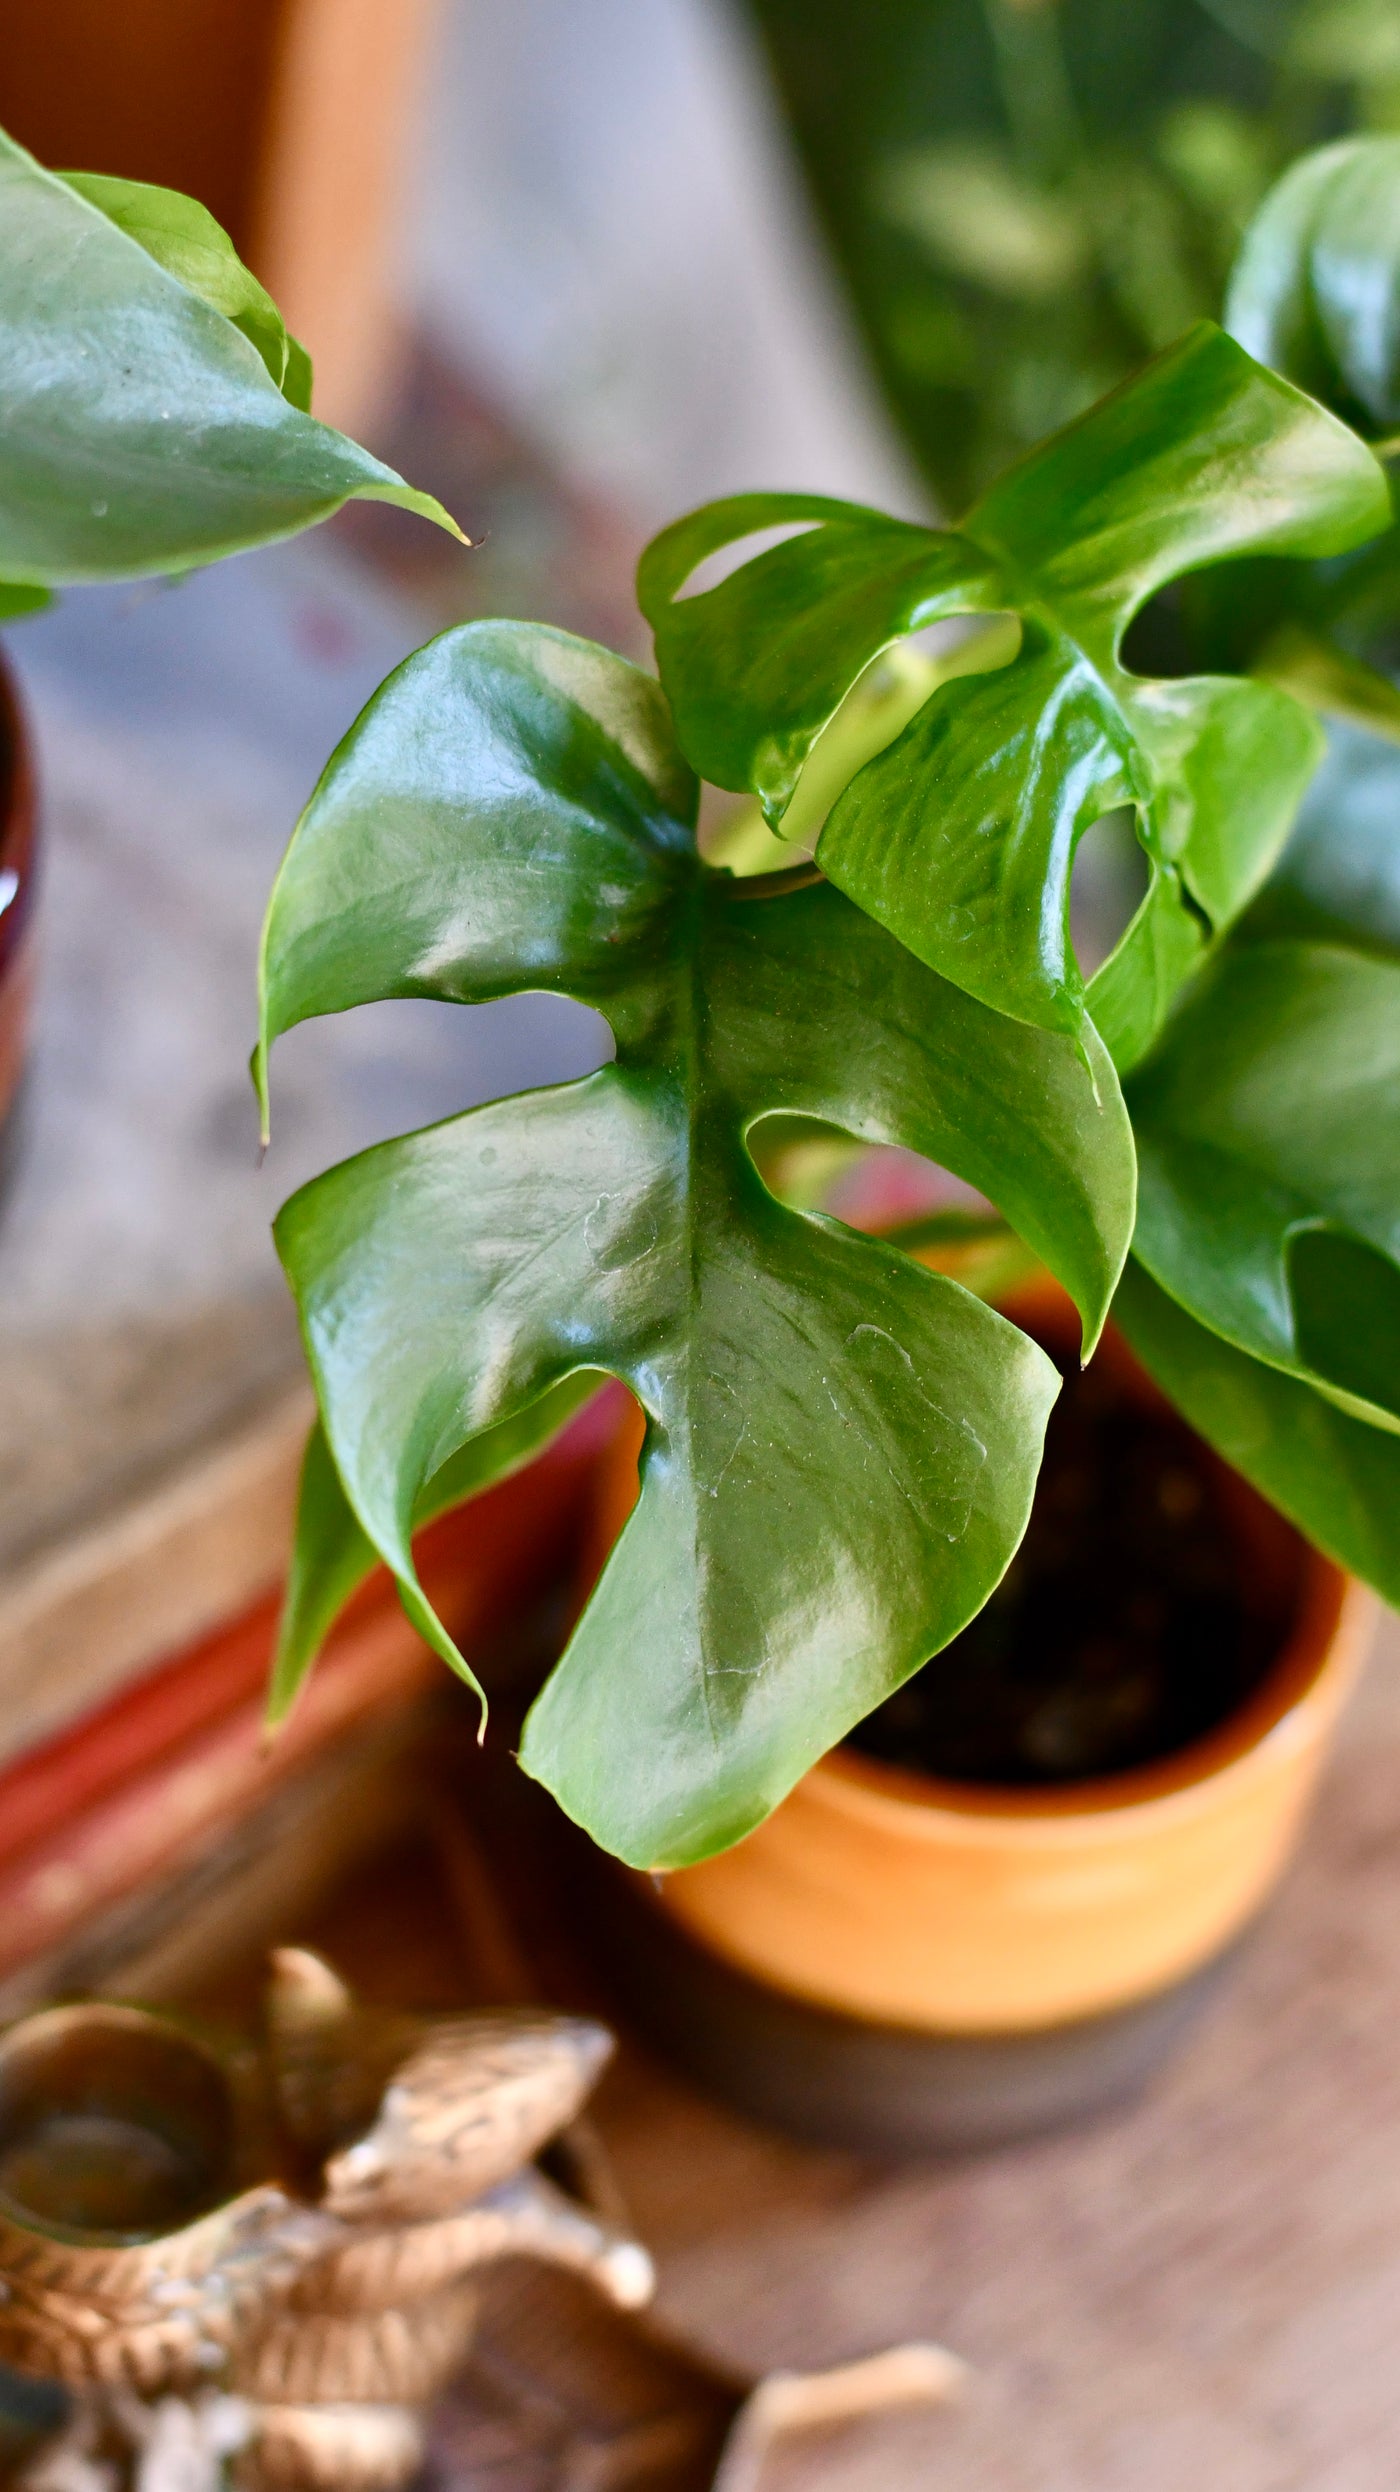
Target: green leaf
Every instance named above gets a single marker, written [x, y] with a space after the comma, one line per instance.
[1335, 1477]
[841, 1446]
[185, 239]
[756, 667]
[19, 597]
[1316, 289]
[141, 430]
[960, 835]
[332, 1557]
[1338, 880]
[1268, 1135]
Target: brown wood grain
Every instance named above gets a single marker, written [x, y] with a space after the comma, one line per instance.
[1204, 2288]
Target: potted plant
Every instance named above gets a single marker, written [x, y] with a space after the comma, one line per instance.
[154, 416]
[841, 1444]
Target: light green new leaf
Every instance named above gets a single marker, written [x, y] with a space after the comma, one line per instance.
[960, 835]
[186, 239]
[1337, 1478]
[1268, 1135]
[141, 428]
[840, 1446]
[331, 1556]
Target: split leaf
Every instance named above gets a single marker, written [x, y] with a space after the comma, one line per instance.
[143, 428]
[960, 835]
[841, 1446]
[331, 1555]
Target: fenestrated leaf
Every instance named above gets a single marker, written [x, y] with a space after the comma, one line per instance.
[183, 236]
[1337, 1478]
[1268, 1134]
[141, 430]
[960, 835]
[841, 1446]
[755, 667]
[331, 1556]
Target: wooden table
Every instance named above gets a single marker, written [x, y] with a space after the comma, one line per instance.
[1203, 2289]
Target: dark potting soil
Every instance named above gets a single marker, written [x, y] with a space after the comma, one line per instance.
[1131, 1620]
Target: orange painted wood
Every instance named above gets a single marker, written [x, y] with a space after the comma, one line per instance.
[290, 119]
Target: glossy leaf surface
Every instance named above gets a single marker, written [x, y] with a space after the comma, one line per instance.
[1338, 880]
[1268, 1135]
[141, 429]
[184, 238]
[841, 1446]
[331, 1555]
[1317, 293]
[960, 835]
[1316, 289]
[1337, 1478]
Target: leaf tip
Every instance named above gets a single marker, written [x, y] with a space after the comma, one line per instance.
[262, 1092]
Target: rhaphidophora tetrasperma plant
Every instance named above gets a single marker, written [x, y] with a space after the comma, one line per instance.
[841, 1445]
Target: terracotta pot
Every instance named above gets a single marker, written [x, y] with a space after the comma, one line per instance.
[953, 1908]
[896, 1961]
[17, 862]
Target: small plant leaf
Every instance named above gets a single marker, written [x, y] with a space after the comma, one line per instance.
[183, 236]
[840, 1446]
[331, 1555]
[1335, 1477]
[960, 835]
[1316, 292]
[1268, 1134]
[1316, 288]
[141, 426]
[1338, 880]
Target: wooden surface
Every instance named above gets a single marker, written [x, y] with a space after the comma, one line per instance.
[1202, 2290]
[150, 1376]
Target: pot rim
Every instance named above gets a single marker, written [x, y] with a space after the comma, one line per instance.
[1334, 1616]
[52, 2025]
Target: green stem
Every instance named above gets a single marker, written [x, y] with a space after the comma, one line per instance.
[774, 886]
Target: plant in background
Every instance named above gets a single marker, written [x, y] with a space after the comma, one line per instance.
[1027, 197]
[154, 412]
[841, 1445]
